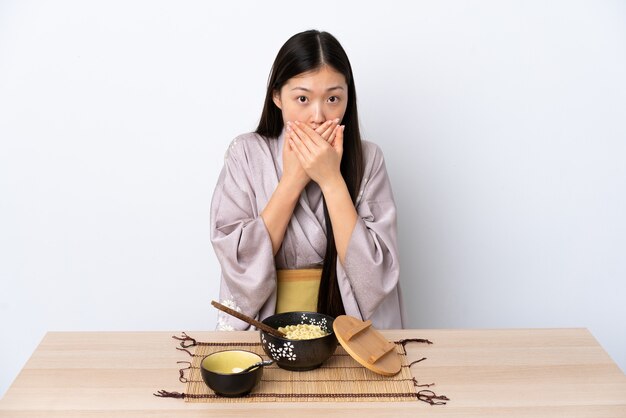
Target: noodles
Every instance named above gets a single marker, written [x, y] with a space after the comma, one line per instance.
[302, 332]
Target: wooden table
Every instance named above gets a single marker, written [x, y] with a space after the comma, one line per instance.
[485, 373]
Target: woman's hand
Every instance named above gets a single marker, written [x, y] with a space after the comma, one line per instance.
[321, 160]
[319, 157]
[278, 211]
[292, 167]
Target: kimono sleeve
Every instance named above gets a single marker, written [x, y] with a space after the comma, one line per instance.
[371, 263]
[241, 241]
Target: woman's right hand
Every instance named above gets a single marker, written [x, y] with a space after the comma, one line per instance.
[292, 169]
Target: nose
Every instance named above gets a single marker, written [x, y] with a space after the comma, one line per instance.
[317, 115]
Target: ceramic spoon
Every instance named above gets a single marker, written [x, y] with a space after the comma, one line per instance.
[259, 364]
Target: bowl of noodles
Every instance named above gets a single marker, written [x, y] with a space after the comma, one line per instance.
[309, 341]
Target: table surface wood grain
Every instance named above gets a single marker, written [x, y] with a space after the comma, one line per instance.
[485, 373]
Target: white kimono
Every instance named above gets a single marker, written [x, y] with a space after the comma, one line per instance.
[369, 279]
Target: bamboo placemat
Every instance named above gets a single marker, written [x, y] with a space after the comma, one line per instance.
[340, 378]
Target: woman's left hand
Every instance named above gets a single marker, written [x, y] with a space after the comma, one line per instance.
[320, 159]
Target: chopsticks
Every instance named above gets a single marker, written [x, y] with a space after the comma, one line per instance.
[247, 319]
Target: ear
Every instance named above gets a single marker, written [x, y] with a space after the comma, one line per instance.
[277, 101]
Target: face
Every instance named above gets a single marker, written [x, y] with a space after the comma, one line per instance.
[313, 97]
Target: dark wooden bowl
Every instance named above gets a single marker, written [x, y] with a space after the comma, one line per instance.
[216, 370]
[299, 355]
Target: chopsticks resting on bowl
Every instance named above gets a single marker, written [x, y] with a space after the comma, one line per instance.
[247, 319]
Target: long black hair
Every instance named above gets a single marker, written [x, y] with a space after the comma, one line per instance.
[304, 52]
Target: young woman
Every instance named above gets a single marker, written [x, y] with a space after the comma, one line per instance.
[303, 217]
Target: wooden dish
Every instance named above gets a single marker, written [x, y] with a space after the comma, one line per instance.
[367, 346]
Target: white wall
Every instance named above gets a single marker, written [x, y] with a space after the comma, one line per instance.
[502, 124]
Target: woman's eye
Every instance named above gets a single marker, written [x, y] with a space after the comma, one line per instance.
[302, 99]
[333, 99]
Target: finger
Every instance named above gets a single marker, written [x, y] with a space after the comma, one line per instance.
[287, 143]
[323, 127]
[296, 149]
[329, 131]
[308, 135]
[297, 143]
[302, 137]
[333, 135]
[338, 144]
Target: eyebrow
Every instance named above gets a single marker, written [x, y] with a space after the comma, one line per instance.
[308, 90]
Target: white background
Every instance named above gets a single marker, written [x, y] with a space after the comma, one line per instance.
[503, 125]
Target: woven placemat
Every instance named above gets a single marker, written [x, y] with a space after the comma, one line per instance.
[340, 378]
